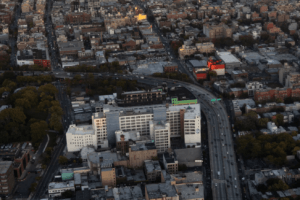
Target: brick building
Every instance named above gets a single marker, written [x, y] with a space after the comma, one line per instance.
[5, 16]
[41, 57]
[278, 93]
[263, 8]
[7, 177]
[176, 15]
[130, 44]
[217, 31]
[78, 18]
[20, 162]
[272, 15]
[140, 152]
[282, 17]
[171, 68]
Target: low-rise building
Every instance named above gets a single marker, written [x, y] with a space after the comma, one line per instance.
[7, 177]
[170, 163]
[140, 152]
[55, 189]
[152, 170]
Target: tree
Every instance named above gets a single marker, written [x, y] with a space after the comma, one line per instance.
[48, 89]
[62, 160]
[297, 148]
[38, 131]
[55, 122]
[279, 119]
[67, 194]
[32, 187]
[262, 122]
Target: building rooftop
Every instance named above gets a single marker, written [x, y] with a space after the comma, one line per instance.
[108, 158]
[152, 165]
[188, 155]
[191, 177]
[181, 93]
[227, 57]
[142, 146]
[4, 166]
[80, 130]
[190, 191]
[56, 185]
[161, 190]
[134, 192]
[131, 135]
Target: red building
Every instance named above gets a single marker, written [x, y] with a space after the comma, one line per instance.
[216, 65]
[200, 76]
[41, 57]
[278, 93]
[21, 160]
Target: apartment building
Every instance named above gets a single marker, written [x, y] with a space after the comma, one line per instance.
[135, 98]
[252, 86]
[217, 31]
[40, 6]
[160, 133]
[21, 160]
[7, 177]
[293, 80]
[191, 126]
[27, 6]
[161, 191]
[152, 170]
[100, 128]
[206, 47]
[108, 176]
[186, 50]
[126, 139]
[140, 152]
[80, 136]
[170, 163]
[137, 118]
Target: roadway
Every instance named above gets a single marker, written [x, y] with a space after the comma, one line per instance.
[224, 173]
[53, 166]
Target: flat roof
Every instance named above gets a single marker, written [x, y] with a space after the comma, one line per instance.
[227, 57]
[58, 185]
[181, 93]
[156, 191]
[80, 129]
[4, 166]
[190, 191]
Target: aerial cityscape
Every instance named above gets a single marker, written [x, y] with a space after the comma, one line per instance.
[149, 100]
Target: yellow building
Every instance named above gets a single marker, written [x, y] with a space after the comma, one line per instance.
[108, 176]
[141, 17]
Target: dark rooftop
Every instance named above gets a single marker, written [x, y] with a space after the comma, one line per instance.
[181, 93]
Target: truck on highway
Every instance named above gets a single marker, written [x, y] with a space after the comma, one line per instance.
[142, 77]
[219, 173]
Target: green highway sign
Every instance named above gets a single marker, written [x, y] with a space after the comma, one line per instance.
[213, 100]
[218, 99]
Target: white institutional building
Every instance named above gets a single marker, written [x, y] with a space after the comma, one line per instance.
[79, 137]
[161, 122]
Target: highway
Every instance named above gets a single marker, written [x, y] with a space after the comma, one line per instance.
[222, 155]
